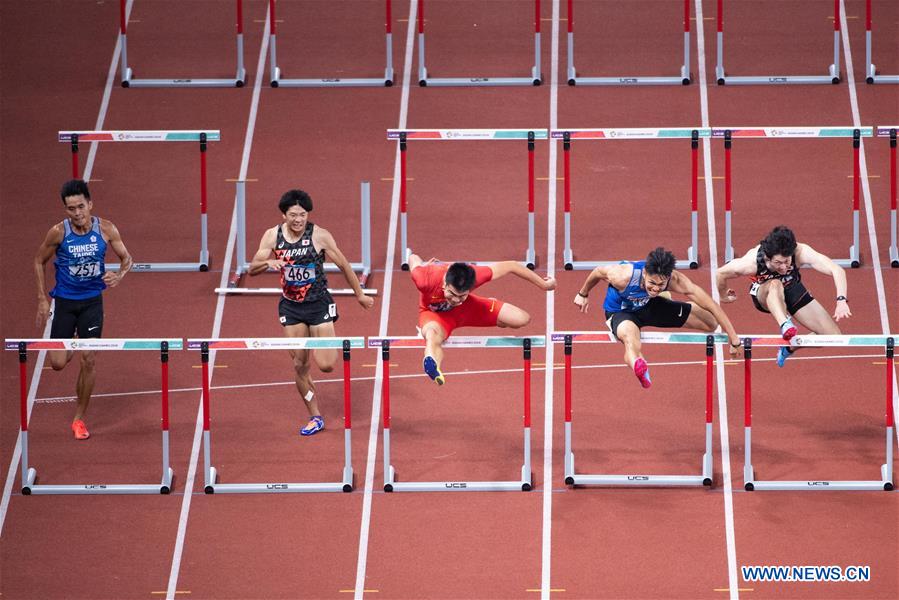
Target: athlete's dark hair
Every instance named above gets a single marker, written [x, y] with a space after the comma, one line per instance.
[660, 262]
[781, 241]
[74, 187]
[461, 276]
[295, 198]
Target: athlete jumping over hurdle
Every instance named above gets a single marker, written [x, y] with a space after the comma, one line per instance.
[79, 243]
[306, 308]
[773, 267]
[638, 297]
[446, 302]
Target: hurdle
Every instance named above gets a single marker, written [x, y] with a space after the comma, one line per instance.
[423, 80]
[871, 68]
[683, 78]
[405, 135]
[572, 478]
[729, 133]
[275, 70]
[833, 71]
[29, 474]
[890, 131]
[201, 136]
[211, 485]
[128, 79]
[525, 481]
[671, 133]
[361, 268]
[818, 341]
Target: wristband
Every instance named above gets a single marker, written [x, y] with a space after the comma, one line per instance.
[843, 298]
[585, 295]
[737, 345]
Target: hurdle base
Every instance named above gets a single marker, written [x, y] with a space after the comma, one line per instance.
[873, 77]
[885, 483]
[129, 82]
[332, 82]
[524, 485]
[28, 482]
[162, 267]
[29, 487]
[894, 252]
[640, 480]
[833, 77]
[278, 488]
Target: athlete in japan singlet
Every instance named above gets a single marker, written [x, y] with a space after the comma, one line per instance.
[303, 277]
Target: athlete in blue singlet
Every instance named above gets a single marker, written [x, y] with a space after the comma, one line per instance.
[296, 249]
[635, 300]
[79, 244]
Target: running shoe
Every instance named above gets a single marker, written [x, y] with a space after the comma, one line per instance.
[783, 353]
[80, 430]
[314, 425]
[788, 330]
[641, 370]
[433, 371]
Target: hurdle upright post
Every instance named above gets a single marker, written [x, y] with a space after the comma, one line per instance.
[204, 235]
[404, 242]
[894, 250]
[728, 197]
[74, 156]
[208, 470]
[530, 257]
[854, 260]
[748, 473]
[385, 408]
[709, 389]
[569, 457]
[166, 484]
[526, 475]
[347, 420]
[567, 255]
[871, 69]
[28, 474]
[887, 469]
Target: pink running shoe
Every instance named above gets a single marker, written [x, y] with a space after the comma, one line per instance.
[787, 330]
[641, 370]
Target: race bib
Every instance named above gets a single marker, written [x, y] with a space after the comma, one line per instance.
[85, 270]
[299, 274]
[754, 289]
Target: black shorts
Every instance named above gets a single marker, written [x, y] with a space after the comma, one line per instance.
[795, 296]
[84, 317]
[658, 312]
[311, 312]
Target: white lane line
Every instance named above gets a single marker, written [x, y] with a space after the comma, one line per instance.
[866, 192]
[42, 355]
[546, 547]
[178, 550]
[365, 524]
[730, 534]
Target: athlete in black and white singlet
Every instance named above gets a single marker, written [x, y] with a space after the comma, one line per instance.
[303, 277]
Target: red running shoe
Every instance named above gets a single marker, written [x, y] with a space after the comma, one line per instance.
[641, 370]
[80, 430]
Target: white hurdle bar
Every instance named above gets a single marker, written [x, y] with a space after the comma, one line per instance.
[275, 70]
[871, 68]
[812, 341]
[200, 136]
[693, 134]
[29, 474]
[833, 71]
[525, 481]
[362, 268]
[405, 135]
[211, 485]
[423, 80]
[640, 479]
[731, 133]
[890, 132]
[683, 78]
[127, 75]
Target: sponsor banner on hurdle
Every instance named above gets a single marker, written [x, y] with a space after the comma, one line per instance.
[683, 78]
[572, 478]
[423, 80]
[211, 475]
[729, 134]
[29, 474]
[525, 481]
[833, 71]
[693, 134]
[885, 482]
[73, 138]
[403, 136]
[127, 75]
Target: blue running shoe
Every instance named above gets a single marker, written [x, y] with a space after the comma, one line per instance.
[433, 371]
[783, 353]
[314, 425]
